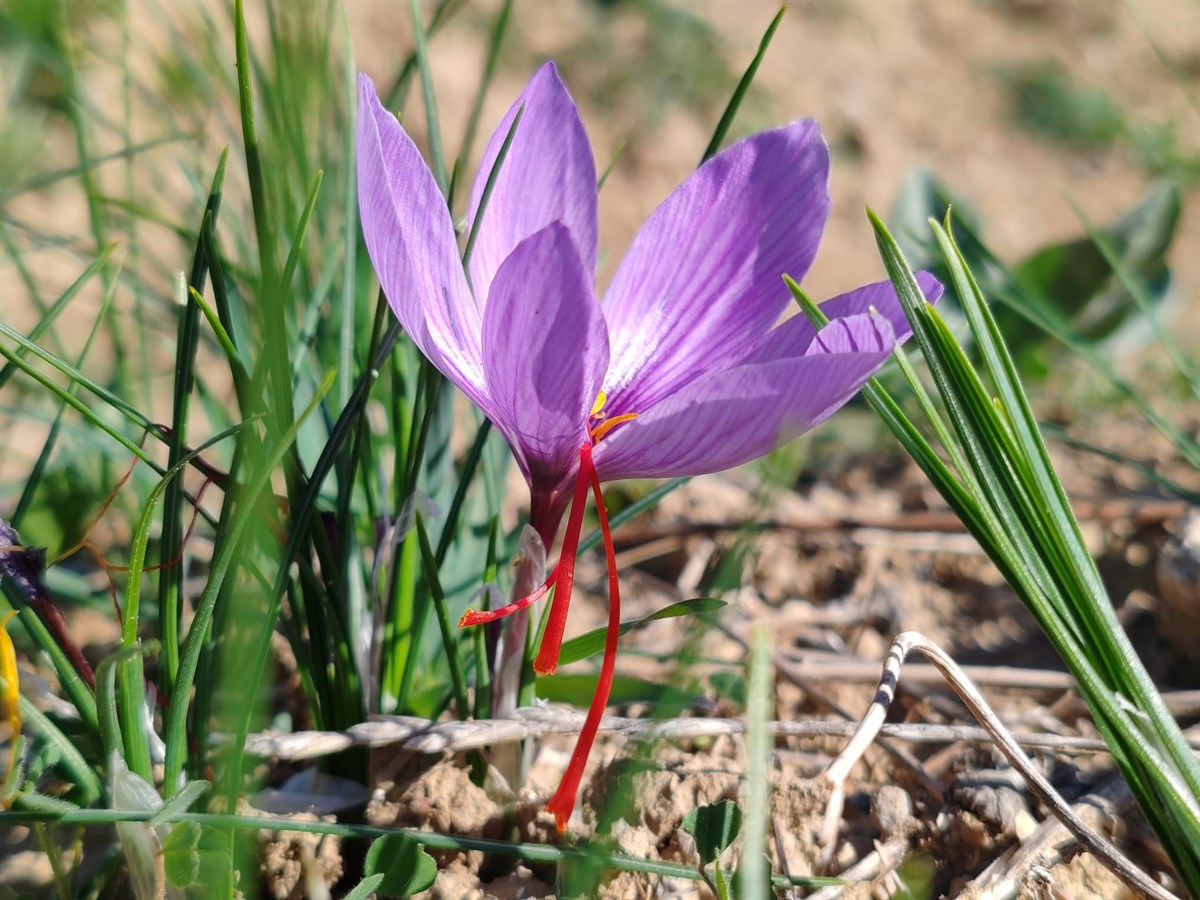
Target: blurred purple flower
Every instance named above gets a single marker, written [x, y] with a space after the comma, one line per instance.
[683, 369]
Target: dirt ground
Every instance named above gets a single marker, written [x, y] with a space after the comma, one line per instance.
[865, 549]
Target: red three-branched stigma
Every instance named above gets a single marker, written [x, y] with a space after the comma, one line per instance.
[562, 579]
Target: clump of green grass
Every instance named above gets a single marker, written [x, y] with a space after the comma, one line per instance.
[1048, 101]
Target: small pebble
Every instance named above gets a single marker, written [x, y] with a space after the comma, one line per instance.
[891, 810]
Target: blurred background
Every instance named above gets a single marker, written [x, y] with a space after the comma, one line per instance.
[1015, 105]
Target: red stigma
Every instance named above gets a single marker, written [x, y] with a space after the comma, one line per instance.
[562, 579]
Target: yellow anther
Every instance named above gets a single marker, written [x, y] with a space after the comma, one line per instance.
[598, 406]
[609, 424]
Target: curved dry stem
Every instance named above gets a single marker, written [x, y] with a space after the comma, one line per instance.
[839, 770]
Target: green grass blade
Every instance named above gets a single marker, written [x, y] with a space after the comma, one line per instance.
[639, 506]
[85, 411]
[1136, 289]
[486, 196]
[293, 257]
[442, 13]
[76, 690]
[754, 873]
[739, 93]
[437, 156]
[48, 318]
[132, 692]
[1130, 677]
[34, 479]
[170, 585]
[88, 788]
[592, 642]
[489, 70]
[222, 565]
[458, 679]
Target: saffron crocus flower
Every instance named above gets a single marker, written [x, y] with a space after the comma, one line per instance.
[682, 370]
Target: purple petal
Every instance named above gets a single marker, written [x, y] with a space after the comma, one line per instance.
[728, 418]
[792, 337]
[702, 281]
[545, 350]
[410, 239]
[547, 176]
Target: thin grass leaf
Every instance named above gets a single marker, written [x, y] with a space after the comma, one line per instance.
[592, 642]
[466, 476]
[108, 717]
[254, 168]
[88, 788]
[437, 157]
[74, 109]
[170, 586]
[612, 164]
[1052, 323]
[294, 255]
[739, 93]
[223, 563]
[34, 479]
[1092, 602]
[187, 795]
[225, 342]
[486, 196]
[458, 679]
[48, 810]
[639, 506]
[1136, 289]
[1027, 528]
[68, 398]
[1146, 469]
[44, 180]
[51, 314]
[483, 685]
[249, 396]
[132, 689]
[489, 70]
[754, 872]
[442, 13]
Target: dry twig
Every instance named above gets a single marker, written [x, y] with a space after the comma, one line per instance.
[413, 733]
[839, 771]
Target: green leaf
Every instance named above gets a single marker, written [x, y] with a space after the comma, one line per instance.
[714, 827]
[365, 889]
[1078, 281]
[195, 854]
[405, 866]
[592, 642]
[180, 859]
[730, 686]
[743, 86]
[578, 690]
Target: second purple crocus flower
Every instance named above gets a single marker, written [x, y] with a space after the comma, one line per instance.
[683, 369]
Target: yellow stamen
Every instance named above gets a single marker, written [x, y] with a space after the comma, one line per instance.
[598, 406]
[609, 424]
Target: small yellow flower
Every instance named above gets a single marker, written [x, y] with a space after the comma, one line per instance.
[10, 696]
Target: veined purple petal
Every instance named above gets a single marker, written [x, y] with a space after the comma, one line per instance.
[547, 176]
[410, 239]
[545, 350]
[727, 418]
[791, 338]
[701, 282]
